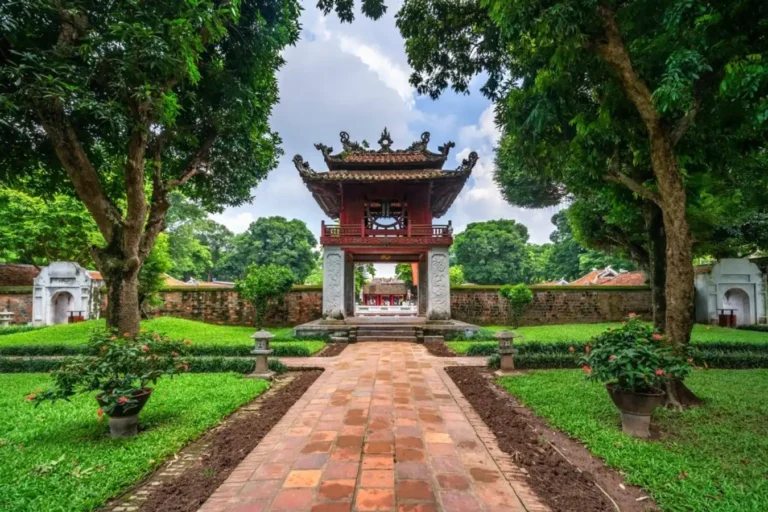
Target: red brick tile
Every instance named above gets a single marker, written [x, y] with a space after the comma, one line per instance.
[338, 506]
[409, 455]
[270, 471]
[336, 489]
[412, 470]
[459, 501]
[418, 507]
[317, 447]
[378, 448]
[251, 506]
[259, 489]
[378, 462]
[375, 499]
[293, 499]
[303, 478]
[311, 461]
[453, 482]
[378, 478]
[340, 470]
[414, 490]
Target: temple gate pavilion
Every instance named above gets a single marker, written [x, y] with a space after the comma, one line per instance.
[384, 202]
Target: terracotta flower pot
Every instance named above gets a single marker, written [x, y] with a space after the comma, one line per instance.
[635, 408]
[124, 419]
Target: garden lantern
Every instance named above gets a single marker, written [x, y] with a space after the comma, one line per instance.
[506, 350]
[262, 351]
[5, 318]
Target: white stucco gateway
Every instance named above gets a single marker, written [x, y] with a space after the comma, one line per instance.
[64, 289]
[735, 284]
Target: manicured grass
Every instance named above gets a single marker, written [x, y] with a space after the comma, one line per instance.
[712, 458]
[58, 457]
[206, 337]
[580, 333]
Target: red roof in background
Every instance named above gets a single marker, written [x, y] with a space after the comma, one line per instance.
[587, 279]
[13, 274]
[609, 277]
[95, 274]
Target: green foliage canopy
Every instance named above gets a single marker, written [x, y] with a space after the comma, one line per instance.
[271, 241]
[493, 252]
[263, 284]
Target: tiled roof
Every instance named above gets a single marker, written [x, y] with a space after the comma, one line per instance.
[95, 274]
[388, 175]
[388, 158]
[12, 274]
[609, 277]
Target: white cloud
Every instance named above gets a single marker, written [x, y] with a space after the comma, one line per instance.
[391, 74]
[236, 222]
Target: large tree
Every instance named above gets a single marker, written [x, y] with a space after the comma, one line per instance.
[126, 101]
[493, 252]
[271, 241]
[634, 93]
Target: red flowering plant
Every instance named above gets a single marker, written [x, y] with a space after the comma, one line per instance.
[632, 358]
[120, 368]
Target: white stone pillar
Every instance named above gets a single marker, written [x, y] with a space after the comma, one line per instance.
[438, 284]
[333, 283]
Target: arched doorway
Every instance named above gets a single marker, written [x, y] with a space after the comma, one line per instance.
[738, 300]
[61, 304]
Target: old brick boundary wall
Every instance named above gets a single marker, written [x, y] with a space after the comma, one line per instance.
[482, 305]
[475, 304]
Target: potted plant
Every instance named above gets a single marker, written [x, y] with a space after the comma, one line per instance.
[635, 365]
[121, 370]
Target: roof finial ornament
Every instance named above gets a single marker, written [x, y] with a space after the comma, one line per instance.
[468, 163]
[349, 145]
[420, 146]
[301, 165]
[325, 150]
[445, 148]
[385, 141]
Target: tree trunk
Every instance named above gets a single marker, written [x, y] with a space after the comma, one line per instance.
[121, 276]
[657, 264]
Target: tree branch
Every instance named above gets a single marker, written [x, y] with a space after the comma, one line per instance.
[79, 169]
[684, 123]
[159, 202]
[615, 175]
[196, 163]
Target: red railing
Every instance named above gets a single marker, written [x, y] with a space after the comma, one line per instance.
[412, 231]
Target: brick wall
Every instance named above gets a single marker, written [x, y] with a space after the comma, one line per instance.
[225, 307]
[480, 305]
[484, 306]
[18, 303]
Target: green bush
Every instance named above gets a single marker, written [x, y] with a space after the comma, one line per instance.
[277, 366]
[518, 296]
[13, 329]
[483, 349]
[758, 328]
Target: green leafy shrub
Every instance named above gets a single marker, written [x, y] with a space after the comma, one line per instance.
[494, 361]
[758, 328]
[633, 358]
[277, 366]
[483, 349]
[118, 367]
[518, 296]
[13, 329]
[262, 285]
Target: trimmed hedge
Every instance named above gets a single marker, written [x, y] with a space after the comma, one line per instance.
[13, 329]
[295, 349]
[484, 348]
[16, 290]
[196, 364]
[739, 360]
[758, 328]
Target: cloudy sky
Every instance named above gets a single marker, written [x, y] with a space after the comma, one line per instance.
[354, 77]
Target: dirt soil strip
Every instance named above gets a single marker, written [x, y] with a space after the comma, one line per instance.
[565, 485]
[332, 350]
[439, 349]
[213, 457]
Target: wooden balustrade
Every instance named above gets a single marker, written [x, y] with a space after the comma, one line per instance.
[412, 231]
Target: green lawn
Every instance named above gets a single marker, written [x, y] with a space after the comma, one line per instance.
[57, 457]
[203, 336]
[713, 458]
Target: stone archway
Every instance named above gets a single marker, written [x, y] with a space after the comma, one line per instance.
[61, 304]
[738, 300]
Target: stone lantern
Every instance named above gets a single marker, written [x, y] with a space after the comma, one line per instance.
[262, 351]
[5, 318]
[506, 351]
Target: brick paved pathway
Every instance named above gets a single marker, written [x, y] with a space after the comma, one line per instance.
[383, 429]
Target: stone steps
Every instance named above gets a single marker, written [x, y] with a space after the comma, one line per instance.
[407, 339]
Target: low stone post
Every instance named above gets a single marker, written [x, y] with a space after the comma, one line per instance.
[506, 351]
[5, 318]
[262, 352]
